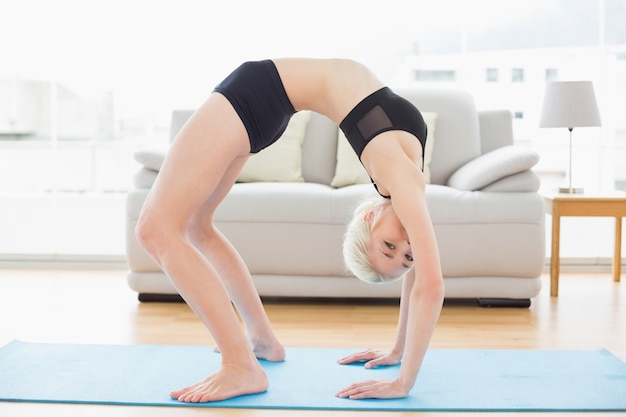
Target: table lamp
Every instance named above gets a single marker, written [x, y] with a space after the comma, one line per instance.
[569, 104]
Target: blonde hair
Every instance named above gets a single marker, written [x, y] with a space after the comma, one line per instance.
[357, 238]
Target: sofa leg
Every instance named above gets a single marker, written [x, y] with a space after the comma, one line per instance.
[160, 298]
[504, 302]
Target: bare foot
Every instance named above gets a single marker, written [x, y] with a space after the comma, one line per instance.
[272, 353]
[226, 383]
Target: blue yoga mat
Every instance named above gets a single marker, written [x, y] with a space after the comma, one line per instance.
[450, 380]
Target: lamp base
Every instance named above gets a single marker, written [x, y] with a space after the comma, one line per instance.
[567, 190]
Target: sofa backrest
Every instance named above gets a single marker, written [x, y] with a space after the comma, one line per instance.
[178, 120]
[458, 132]
[319, 150]
[496, 129]
[457, 136]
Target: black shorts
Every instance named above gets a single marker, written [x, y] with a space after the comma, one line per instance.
[257, 94]
[382, 111]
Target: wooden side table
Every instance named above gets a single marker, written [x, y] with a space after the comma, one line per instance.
[559, 205]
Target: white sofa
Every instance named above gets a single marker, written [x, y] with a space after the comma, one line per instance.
[288, 226]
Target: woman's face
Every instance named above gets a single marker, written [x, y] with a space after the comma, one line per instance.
[389, 248]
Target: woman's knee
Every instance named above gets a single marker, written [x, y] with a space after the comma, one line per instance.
[202, 232]
[153, 232]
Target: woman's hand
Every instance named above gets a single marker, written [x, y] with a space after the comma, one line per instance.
[374, 389]
[372, 358]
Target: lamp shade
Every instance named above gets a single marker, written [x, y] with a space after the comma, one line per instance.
[569, 104]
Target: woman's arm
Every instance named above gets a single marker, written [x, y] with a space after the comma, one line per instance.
[382, 357]
[407, 285]
[425, 297]
[393, 165]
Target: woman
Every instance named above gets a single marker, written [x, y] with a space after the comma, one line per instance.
[247, 112]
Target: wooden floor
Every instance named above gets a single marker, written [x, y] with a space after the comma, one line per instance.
[97, 307]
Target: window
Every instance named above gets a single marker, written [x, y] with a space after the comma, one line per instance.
[517, 75]
[491, 75]
[552, 74]
[435, 75]
[74, 108]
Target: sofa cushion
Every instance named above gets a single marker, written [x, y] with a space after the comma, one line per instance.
[493, 166]
[431, 122]
[291, 203]
[350, 171]
[282, 161]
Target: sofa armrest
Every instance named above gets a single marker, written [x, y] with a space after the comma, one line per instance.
[492, 167]
[151, 159]
[144, 178]
[523, 182]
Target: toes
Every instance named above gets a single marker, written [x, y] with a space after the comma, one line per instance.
[182, 393]
[176, 394]
[187, 398]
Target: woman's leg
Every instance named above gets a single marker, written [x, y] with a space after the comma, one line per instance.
[236, 277]
[197, 173]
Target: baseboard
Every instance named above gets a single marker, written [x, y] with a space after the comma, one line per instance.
[483, 302]
[582, 265]
[160, 298]
[58, 262]
[504, 302]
